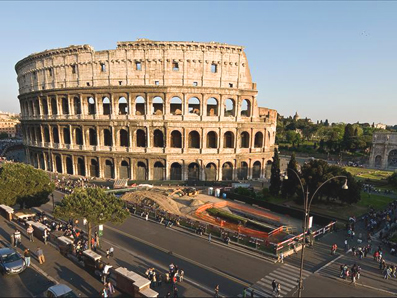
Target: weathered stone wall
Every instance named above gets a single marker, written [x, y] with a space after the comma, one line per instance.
[384, 151]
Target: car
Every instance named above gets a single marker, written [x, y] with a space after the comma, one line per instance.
[60, 291]
[11, 261]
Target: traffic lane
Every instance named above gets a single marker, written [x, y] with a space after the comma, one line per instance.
[146, 256]
[244, 266]
[29, 283]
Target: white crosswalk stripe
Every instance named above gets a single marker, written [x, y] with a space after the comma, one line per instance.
[286, 275]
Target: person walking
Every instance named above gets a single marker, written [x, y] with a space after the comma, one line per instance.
[45, 236]
[278, 291]
[105, 273]
[209, 237]
[107, 254]
[245, 293]
[274, 285]
[17, 236]
[12, 237]
[98, 245]
[111, 251]
[110, 289]
[216, 291]
[30, 231]
[104, 292]
[40, 255]
[26, 255]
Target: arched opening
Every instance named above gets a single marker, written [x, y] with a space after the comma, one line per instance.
[124, 170]
[194, 139]
[229, 108]
[210, 172]
[41, 161]
[58, 164]
[36, 108]
[193, 171]
[245, 140]
[69, 165]
[158, 139]
[46, 135]
[243, 171]
[124, 138]
[139, 106]
[55, 135]
[65, 106]
[77, 105]
[228, 140]
[392, 159]
[140, 138]
[45, 106]
[107, 137]
[109, 169]
[158, 171]
[194, 106]
[227, 171]
[107, 109]
[158, 106]
[54, 108]
[245, 108]
[378, 161]
[123, 106]
[80, 166]
[66, 135]
[258, 140]
[93, 137]
[176, 171]
[31, 108]
[212, 140]
[94, 168]
[256, 170]
[78, 136]
[33, 134]
[38, 134]
[176, 139]
[176, 106]
[91, 106]
[268, 169]
[141, 173]
[212, 107]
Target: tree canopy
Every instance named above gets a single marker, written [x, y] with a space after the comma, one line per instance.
[23, 184]
[290, 185]
[275, 181]
[393, 179]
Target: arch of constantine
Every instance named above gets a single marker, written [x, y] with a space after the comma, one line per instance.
[384, 151]
[147, 110]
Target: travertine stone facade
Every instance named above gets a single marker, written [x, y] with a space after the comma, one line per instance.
[384, 151]
[147, 110]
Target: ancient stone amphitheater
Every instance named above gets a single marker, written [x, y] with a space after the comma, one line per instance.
[148, 110]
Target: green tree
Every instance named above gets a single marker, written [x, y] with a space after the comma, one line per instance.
[24, 185]
[293, 137]
[289, 186]
[93, 204]
[348, 137]
[393, 179]
[275, 180]
[3, 135]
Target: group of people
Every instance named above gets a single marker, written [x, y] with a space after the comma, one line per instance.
[354, 272]
[276, 286]
[67, 184]
[368, 188]
[108, 290]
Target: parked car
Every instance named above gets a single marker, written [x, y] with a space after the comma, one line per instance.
[11, 262]
[60, 291]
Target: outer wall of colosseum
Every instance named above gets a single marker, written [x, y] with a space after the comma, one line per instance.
[147, 110]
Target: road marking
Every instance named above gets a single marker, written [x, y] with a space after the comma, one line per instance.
[329, 263]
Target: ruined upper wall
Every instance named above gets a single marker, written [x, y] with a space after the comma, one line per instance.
[82, 66]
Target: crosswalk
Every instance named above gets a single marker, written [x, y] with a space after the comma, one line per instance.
[286, 275]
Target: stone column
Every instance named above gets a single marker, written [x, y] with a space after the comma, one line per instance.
[148, 137]
[250, 169]
[98, 137]
[235, 170]
[130, 139]
[219, 168]
[114, 139]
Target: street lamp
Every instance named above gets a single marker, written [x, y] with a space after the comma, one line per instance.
[307, 203]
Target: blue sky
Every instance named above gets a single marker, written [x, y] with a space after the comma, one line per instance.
[326, 60]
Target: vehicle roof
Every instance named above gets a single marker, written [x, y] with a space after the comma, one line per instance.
[6, 250]
[60, 289]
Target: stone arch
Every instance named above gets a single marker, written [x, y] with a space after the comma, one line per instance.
[140, 104]
[80, 166]
[94, 168]
[158, 171]
[54, 108]
[66, 135]
[176, 171]
[106, 106]
[227, 171]
[58, 164]
[124, 171]
[258, 142]
[194, 106]
[176, 139]
[78, 136]
[245, 140]
[378, 161]
[194, 139]
[157, 106]
[41, 161]
[193, 171]
[246, 108]
[140, 138]
[38, 134]
[107, 137]
[124, 139]
[268, 169]
[212, 106]
[45, 106]
[65, 106]
[228, 139]
[141, 173]
[158, 138]
[229, 108]
[176, 106]
[77, 105]
[243, 171]
[212, 139]
[46, 135]
[69, 165]
[93, 137]
[210, 172]
[392, 159]
[256, 170]
[55, 135]
[91, 106]
[109, 169]
[123, 106]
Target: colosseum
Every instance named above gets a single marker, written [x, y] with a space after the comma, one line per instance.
[148, 110]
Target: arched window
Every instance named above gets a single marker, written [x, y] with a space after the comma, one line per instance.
[80, 166]
[77, 106]
[91, 106]
[123, 106]
[69, 165]
[140, 138]
[65, 106]
[124, 138]
[93, 137]
[66, 135]
[107, 109]
[212, 107]
[268, 169]
[258, 140]
[36, 108]
[41, 160]
[124, 170]
[392, 159]
[212, 140]
[107, 137]
[194, 106]
[78, 136]
[141, 173]
[210, 172]
[45, 106]
[228, 140]
[176, 106]
[158, 106]
[55, 135]
[158, 139]
[256, 170]
[94, 168]
[38, 134]
[58, 164]
[176, 139]
[245, 140]
[227, 171]
[54, 108]
[245, 108]
[176, 171]
[243, 171]
[139, 105]
[46, 135]
[193, 171]
[194, 139]
[229, 107]
[158, 171]
[109, 169]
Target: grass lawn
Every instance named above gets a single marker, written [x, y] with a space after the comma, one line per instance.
[375, 200]
[361, 173]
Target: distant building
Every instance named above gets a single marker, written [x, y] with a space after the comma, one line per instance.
[384, 151]
[9, 124]
[380, 126]
[296, 116]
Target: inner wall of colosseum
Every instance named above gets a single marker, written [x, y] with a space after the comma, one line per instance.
[145, 111]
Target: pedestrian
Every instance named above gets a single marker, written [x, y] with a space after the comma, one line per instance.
[346, 245]
[104, 292]
[45, 236]
[40, 255]
[93, 244]
[17, 236]
[30, 230]
[216, 291]
[168, 295]
[12, 239]
[181, 275]
[252, 293]
[26, 254]
[274, 285]
[278, 291]
[209, 237]
[105, 273]
[97, 240]
[245, 293]
[281, 258]
[111, 289]
[111, 250]
[160, 280]
[175, 292]
[107, 254]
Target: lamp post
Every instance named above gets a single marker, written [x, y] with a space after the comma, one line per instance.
[307, 204]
